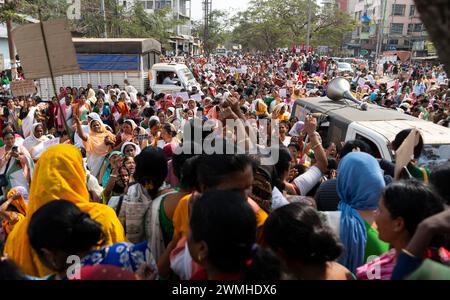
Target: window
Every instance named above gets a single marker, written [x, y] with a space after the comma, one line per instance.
[148, 4]
[398, 9]
[396, 28]
[162, 3]
[393, 42]
[410, 28]
[373, 147]
[412, 10]
[418, 27]
[365, 29]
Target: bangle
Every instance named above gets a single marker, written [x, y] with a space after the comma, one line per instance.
[112, 176]
[316, 145]
[408, 253]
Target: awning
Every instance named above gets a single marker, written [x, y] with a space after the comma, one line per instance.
[402, 55]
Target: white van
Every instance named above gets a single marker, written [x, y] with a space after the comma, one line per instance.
[185, 78]
[377, 127]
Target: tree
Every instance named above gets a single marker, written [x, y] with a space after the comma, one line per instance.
[218, 29]
[268, 24]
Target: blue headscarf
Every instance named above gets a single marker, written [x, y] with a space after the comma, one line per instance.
[360, 184]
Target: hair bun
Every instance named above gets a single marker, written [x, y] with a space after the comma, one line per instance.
[324, 246]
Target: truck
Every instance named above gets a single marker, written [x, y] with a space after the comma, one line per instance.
[107, 62]
[377, 126]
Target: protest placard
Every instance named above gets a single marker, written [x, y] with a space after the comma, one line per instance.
[23, 88]
[361, 81]
[197, 97]
[282, 93]
[51, 142]
[30, 46]
[183, 95]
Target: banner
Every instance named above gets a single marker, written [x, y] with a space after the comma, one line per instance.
[23, 88]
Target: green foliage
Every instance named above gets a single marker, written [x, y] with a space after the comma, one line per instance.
[269, 24]
[218, 30]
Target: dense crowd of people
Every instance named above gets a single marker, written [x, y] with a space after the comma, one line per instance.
[120, 179]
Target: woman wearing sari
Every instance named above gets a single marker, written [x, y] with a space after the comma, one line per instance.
[35, 142]
[15, 163]
[125, 134]
[81, 109]
[360, 184]
[59, 175]
[14, 209]
[98, 144]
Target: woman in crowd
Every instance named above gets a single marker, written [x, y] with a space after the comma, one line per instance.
[35, 142]
[104, 111]
[360, 184]
[130, 165]
[14, 209]
[139, 211]
[304, 243]
[82, 109]
[117, 184]
[126, 134]
[98, 144]
[168, 134]
[59, 175]
[283, 131]
[113, 161]
[403, 206]
[16, 163]
[130, 149]
[60, 229]
[225, 246]
[140, 137]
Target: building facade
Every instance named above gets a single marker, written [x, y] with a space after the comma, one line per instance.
[182, 41]
[395, 22]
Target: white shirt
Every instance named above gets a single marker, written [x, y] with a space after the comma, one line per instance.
[278, 199]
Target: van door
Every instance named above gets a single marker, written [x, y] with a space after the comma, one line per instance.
[378, 144]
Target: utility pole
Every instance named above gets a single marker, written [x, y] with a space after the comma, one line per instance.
[380, 35]
[309, 26]
[103, 10]
[207, 8]
[12, 54]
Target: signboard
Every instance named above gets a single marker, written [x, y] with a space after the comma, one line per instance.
[30, 46]
[183, 95]
[50, 143]
[197, 97]
[23, 88]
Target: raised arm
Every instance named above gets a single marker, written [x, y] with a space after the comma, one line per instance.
[80, 132]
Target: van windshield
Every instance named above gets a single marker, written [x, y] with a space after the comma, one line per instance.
[433, 155]
[186, 75]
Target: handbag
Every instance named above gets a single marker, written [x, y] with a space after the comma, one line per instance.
[3, 179]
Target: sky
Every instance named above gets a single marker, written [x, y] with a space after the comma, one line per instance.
[232, 5]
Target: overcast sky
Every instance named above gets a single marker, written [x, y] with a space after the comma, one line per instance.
[234, 5]
[229, 5]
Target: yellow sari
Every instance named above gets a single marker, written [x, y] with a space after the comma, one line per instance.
[59, 174]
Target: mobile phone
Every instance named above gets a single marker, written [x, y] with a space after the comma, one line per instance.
[15, 149]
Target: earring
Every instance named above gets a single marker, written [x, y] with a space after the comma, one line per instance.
[199, 258]
[149, 186]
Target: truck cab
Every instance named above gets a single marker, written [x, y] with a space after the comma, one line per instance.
[377, 127]
[184, 77]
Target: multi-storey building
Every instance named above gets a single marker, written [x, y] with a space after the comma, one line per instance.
[395, 22]
[182, 38]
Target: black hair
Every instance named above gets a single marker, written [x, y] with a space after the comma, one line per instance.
[133, 105]
[153, 123]
[211, 170]
[296, 146]
[401, 136]
[61, 226]
[6, 132]
[440, 178]
[151, 167]
[170, 130]
[351, 145]
[182, 166]
[227, 224]
[10, 271]
[413, 201]
[309, 241]
[282, 166]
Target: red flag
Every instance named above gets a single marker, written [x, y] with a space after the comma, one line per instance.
[300, 76]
